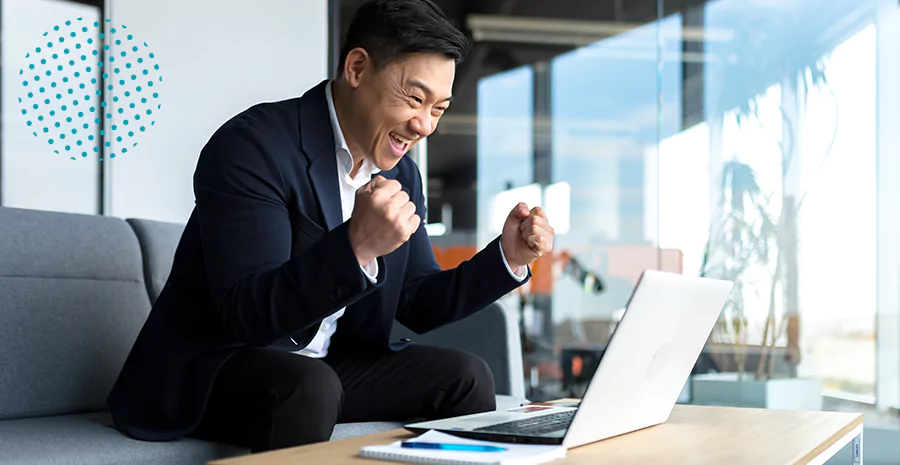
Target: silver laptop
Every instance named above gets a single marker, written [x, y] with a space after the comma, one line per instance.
[648, 360]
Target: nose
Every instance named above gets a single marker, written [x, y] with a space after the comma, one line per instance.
[422, 124]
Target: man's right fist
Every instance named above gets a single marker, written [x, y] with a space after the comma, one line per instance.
[383, 219]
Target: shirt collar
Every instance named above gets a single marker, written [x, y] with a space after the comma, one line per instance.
[340, 143]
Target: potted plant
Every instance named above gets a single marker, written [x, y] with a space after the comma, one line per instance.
[754, 243]
[746, 246]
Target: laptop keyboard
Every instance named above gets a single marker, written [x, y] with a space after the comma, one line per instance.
[533, 426]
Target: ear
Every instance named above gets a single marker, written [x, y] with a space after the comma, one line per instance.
[357, 63]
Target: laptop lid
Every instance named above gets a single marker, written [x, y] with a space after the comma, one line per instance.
[650, 355]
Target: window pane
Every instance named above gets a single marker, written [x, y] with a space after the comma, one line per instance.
[505, 145]
[777, 188]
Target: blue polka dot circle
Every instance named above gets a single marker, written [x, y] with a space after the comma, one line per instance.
[70, 59]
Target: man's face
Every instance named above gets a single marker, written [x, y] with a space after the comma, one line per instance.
[400, 104]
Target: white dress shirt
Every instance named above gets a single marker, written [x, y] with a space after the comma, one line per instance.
[318, 347]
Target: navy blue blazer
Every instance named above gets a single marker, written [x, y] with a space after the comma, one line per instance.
[265, 257]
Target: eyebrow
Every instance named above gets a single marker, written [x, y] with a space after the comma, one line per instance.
[425, 89]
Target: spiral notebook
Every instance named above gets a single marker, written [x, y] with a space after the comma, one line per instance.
[515, 454]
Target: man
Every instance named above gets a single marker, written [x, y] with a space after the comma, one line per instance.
[306, 243]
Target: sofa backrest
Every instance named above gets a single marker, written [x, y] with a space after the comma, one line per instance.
[158, 243]
[72, 301]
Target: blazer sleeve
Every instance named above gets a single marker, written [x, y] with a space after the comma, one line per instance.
[431, 298]
[259, 291]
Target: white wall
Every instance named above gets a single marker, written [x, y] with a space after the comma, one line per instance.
[217, 58]
[32, 175]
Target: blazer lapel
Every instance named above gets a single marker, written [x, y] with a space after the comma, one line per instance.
[317, 144]
[324, 177]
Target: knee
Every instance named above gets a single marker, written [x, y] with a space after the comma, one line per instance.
[477, 381]
[306, 411]
[314, 392]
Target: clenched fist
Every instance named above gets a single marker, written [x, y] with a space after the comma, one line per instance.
[383, 219]
[526, 236]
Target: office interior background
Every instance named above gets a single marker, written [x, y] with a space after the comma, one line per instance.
[753, 140]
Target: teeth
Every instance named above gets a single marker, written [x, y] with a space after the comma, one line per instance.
[399, 139]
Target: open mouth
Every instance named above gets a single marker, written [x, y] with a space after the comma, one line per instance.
[399, 143]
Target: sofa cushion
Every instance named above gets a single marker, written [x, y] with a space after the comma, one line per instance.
[350, 430]
[90, 438]
[508, 402]
[158, 243]
[72, 301]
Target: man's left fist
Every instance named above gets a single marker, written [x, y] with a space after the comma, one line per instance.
[526, 236]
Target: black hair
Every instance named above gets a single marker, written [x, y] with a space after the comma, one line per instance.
[390, 29]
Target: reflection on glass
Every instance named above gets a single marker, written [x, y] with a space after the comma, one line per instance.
[505, 143]
[604, 135]
[777, 184]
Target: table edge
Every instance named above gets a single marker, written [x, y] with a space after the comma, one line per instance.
[834, 438]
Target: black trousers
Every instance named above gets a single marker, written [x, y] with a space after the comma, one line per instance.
[268, 399]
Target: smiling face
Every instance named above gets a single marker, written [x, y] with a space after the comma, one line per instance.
[394, 107]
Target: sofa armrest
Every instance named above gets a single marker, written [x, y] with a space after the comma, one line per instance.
[492, 334]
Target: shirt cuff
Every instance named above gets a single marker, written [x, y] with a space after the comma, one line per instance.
[512, 273]
[371, 270]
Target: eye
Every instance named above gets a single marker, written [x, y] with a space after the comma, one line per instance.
[416, 99]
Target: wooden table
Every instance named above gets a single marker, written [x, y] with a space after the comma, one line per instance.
[693, 434]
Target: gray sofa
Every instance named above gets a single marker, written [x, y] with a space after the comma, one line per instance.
[74, 292]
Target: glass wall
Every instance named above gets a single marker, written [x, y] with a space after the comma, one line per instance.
[605, 122]
[505, 109]
[749, 140]
[779, 179]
